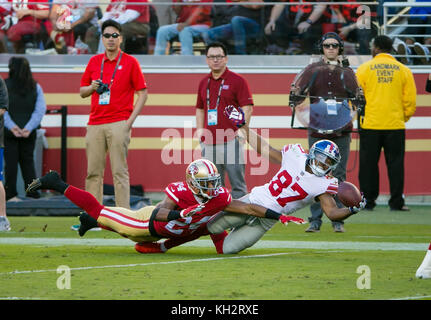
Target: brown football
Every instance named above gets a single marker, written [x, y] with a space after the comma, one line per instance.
[348, 194]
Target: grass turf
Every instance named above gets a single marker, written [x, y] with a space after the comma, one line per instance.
[118, 272]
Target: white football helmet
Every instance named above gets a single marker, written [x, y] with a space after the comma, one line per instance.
[323, 157]
[203, 178]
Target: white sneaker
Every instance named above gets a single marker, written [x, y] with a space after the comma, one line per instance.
[423, 51]
[4, 224]
[404, 50]
[424, 271]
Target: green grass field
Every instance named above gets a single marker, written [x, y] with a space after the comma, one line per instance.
[287, 264]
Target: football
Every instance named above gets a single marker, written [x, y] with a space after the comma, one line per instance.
[349, 194]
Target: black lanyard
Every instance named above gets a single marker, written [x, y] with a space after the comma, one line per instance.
[115, 70]
[218, 95]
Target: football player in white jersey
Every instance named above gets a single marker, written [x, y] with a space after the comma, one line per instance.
[302, 179]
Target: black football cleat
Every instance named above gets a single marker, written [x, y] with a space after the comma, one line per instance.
[51, 181]
[87, 223]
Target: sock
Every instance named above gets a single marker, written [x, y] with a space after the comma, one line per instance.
[85, 200]
[218, 240]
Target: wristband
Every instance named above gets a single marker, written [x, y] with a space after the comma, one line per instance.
[353, 210]
[174, 215]
[271, 214]
[309, 21]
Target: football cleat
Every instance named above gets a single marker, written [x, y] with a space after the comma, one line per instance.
[87, 223]
[148, 247]
[51, 181]
[4, 224]
[424, 270]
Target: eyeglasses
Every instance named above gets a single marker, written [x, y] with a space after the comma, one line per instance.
[329, 45]
[113, 35]
[219, 57]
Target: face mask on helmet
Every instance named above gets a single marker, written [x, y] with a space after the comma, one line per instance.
[203, 178]
[324, 157]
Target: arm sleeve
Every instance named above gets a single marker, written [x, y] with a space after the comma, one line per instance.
[4, 100]
[39, 110]
[409, 95]
[8, 122]
[138, 78]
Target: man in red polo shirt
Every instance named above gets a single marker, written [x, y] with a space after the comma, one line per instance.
[111, 79]
[219, 142]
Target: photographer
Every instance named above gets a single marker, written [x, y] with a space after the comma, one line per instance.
[111, 79]
[329, 78]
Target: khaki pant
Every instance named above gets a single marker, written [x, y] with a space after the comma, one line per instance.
[115, 139]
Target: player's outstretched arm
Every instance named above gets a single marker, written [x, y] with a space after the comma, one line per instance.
[334, 213]
[256, 210]
[163, 214]
[261, 145]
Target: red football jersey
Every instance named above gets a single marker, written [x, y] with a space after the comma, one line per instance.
[181, 194]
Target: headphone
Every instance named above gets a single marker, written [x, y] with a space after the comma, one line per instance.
[331, 35]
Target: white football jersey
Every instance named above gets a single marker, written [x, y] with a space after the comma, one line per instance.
[292, 188]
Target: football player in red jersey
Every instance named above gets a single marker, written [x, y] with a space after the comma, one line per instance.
[181, 217]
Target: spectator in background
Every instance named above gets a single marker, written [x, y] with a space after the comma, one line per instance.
[345, 21]
[390, 94]
[305, 23]
[23, 22]
[4, 222]
[71, 20]
[111, 79]
[165, 13]
[134, 20]
[219, 142]
[26, 109]
[420, 43]
[192, 21]
[247, 22]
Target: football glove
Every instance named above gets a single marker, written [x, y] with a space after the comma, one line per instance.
[362, 204]
[235, 114]
[191, 210]
[9, 21]
[286, 219]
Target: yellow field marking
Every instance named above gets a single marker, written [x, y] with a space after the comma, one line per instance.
[157, 143]
[175, 100]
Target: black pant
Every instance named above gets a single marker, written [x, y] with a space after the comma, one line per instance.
[371, 144]
[18, 151]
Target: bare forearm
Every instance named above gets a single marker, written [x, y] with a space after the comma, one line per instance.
[86, 91]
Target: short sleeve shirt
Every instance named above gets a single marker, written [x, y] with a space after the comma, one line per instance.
[128, 79]
[234, 91]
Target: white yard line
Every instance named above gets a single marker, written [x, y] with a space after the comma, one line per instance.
[151, 263]
[345, 245]
[412, 298]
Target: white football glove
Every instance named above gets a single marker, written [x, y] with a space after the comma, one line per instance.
[191, 210]
[9, 21]
[362, 204]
